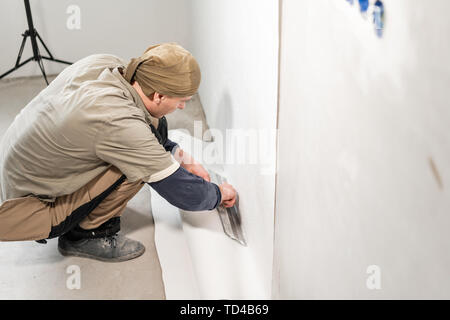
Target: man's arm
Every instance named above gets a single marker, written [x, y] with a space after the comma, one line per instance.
[189, 163]
[191, 179]
[188, 191]
[171, 146]
[189, 187]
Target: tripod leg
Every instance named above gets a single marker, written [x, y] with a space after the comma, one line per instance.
[19, 56]
[18, 64]
[56, 60]
[51, 58]
[41, 65]
[45, 47]
[16, 67]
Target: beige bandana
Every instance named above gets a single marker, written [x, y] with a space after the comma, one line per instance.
[166, 68]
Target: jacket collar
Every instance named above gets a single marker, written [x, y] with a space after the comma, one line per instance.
[136, 98]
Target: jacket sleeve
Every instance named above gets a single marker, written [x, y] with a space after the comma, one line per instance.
[188, 191]
[170, 146]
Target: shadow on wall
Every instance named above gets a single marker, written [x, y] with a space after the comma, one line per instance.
[224, 114]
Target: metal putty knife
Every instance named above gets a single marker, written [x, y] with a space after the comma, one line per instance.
[230, 217]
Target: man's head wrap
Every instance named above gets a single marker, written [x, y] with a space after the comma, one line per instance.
[167, 68]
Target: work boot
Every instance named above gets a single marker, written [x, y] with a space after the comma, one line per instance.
[115, 248]
[103, 243]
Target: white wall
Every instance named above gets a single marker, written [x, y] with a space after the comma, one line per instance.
[360, 117]
[123, 28]
[236, 44]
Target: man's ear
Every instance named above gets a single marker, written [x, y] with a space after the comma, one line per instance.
[161, 96]
[156, 97]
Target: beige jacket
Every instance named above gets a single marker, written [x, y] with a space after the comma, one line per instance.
[86, 120]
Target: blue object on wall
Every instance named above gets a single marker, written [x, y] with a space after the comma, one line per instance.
[378, 17]
[377, 13]
[364, 5]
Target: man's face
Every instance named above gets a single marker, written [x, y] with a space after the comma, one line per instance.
[164, 105]
[160, 105]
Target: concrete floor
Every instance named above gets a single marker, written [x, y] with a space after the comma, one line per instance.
[29, 270]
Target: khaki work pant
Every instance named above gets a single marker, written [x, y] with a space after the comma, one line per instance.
[103, 198]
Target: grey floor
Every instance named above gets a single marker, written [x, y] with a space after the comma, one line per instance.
[29, 270]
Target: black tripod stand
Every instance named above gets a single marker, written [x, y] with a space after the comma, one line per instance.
[32, 33]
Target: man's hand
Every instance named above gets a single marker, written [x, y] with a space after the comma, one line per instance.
[187, 162]
[197, 169]
[228, 195]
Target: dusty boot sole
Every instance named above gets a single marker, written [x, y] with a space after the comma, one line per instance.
[71, 253]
